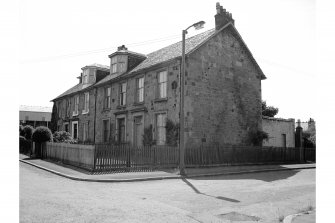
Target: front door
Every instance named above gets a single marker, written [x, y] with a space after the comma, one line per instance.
[138, 131]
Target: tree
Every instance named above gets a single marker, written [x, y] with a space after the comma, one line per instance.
[54, 118]
[269, 111]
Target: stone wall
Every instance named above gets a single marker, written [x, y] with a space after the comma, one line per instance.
[223, 93]
[148, 109]
[278, 129]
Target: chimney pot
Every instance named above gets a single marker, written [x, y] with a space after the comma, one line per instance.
[223, 17]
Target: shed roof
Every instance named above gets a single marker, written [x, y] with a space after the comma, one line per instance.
[31, 108]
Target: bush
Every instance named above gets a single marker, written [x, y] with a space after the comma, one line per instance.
[62, 136]
[28, 131]
[148, 137]
[172, 133]
[21, 130]
[25, 145]
[42, 134]
[257, 137]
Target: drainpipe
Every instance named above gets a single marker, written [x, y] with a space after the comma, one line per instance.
[95, 111]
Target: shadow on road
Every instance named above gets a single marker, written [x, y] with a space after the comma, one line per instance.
[218, 197]
[264, 176]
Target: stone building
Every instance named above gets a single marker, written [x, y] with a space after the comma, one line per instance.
[137, 93]
[281, 132]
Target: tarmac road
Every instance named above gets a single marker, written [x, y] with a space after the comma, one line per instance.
[266, 197]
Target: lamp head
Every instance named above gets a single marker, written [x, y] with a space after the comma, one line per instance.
[199, 25]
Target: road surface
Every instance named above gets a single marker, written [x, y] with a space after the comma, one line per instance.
[262, 197]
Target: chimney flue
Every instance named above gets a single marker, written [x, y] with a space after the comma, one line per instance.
[123, 47]
[222, 17]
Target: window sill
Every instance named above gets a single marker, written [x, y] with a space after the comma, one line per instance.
[160, 100]
[121, 106]
[84, 112]
[106, 109]
[74, 115]
[138, 103]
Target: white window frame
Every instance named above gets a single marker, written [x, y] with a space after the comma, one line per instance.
[114, 64]
[76, 106]
[140, 90]
[162, 84]
[72, 129]
[107, 100]
[86, 76]
[123, 94]
[85, 131]
[86, 103]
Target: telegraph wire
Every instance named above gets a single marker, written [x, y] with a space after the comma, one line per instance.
[147, 42]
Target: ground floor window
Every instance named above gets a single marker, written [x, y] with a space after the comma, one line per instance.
[121, 130]
[161, 131]
[85, 131]
[75, 130]
[105, 130]
[66, 127]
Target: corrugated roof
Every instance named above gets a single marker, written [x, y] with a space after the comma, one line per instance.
[35, 108]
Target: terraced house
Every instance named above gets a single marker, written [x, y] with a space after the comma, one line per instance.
[136, 95]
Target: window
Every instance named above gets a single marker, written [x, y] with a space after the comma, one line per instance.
[75, 130]
[76, 105]
[107, 103]
[140, 89]
[86, 102]
[66, 127]
[114, 65]
[105, 130]
[121, 130]
[85, 131]
[162, 82]
[122, 66]
[161, 131]
[85, 76]
[68, 107]
[123, 91]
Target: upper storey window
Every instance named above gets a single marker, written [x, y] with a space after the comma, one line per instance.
[118, 64]
[114, 65]
[85, 76]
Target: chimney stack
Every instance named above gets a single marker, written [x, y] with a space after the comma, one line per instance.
[123, 47]
[222, 17]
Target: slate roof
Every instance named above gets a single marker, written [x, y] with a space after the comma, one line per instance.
[163, 55]
[167, 53]
[105, 67]
[35, 108]
[173, 51]
[74, 89]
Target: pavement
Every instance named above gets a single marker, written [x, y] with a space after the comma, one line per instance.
[80, 175]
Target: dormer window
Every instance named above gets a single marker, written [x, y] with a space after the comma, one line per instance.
[114, 65]
[85, 76]
[118, 64]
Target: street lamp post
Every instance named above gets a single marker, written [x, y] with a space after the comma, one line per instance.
[197, 25]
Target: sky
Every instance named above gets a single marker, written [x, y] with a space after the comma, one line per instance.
[58, 38]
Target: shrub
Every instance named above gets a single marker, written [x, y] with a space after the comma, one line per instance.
[172, 133]
[25, 145]
[21, 130]
[148, 137]
[62, 136]
[257, 137]
[42, 134]
[28, 131]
